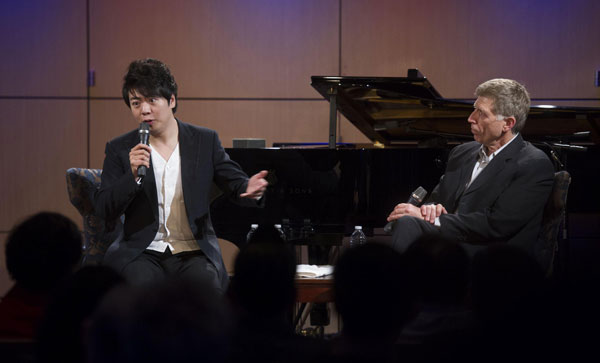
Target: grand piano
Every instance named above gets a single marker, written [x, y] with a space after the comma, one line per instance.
[320, 193]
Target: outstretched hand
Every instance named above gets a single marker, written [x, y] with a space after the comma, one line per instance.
[256, 185]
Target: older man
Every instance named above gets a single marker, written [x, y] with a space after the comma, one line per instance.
[494, 188]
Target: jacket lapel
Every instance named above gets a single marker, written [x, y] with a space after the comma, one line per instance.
[188, 153]
[496, 166]
[149, 186]
[466, 172]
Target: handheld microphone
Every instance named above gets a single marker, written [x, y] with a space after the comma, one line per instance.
[416, 198]
[144, 133]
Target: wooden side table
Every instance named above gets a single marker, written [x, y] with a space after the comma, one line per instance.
[311, 291]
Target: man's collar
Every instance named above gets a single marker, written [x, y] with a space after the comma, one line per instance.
[483, 149]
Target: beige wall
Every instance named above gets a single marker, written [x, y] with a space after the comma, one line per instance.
[244, 68]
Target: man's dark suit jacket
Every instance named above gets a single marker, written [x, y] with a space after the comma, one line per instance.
[203, 160]
[505, 203]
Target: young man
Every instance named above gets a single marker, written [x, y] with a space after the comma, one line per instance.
[167, 228]
[494, 188]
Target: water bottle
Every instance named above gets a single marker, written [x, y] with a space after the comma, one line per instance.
[287, 230]
[358, 237]
[307, 230]
[253, 228]
[280, 231]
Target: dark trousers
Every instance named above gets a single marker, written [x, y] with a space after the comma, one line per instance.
[408, 229]
[152, 267]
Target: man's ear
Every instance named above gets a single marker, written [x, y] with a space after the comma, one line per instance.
[510, 123]
[172, 102]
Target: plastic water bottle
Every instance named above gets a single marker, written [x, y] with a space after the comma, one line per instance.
[307, 230]
[358, 237]
[287, 230]
[253, 228]
[280, 231]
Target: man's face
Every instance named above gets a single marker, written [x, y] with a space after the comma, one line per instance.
[156, 111]
[487, 129]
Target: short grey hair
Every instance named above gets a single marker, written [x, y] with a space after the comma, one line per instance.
[510, 98]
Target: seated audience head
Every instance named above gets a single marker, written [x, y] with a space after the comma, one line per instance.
[172, 321]
[439, 270]
[61, 332]
[149, 78]
[505, 280]
[372, 293]
[264, 269]
[42, 250]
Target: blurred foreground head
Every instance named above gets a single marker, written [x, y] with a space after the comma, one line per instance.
[173, 321]
[265, 269]
[371, 291]
[42, 250]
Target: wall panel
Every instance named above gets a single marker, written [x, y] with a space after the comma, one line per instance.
[551, 46]
[231, 48]
[40, 140]
[43, 48]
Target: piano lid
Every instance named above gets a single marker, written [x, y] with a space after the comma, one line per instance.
[399, 110]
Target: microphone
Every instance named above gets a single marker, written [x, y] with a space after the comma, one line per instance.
[144, 133]
[416, 198]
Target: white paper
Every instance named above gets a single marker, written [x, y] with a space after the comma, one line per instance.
[313, 270]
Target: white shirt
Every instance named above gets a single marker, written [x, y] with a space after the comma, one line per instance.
[174, 229]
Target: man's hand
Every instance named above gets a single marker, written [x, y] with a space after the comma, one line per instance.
[431, 211]
[404, 209]
[428, 212]
[139, 155]
[256, 185]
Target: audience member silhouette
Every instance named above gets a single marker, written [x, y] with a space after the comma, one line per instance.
[508, 291]
[170, 321]
[374, 299]
[572, 319]
[40, 252]
[439, 272]
[61, 334]
[263, 293]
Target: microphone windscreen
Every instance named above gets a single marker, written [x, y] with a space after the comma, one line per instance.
[417, 196]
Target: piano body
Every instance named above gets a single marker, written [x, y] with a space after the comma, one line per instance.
[320, 193]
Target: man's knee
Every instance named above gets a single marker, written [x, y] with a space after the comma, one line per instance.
[408, 229]
[200, 269]
[141, 272]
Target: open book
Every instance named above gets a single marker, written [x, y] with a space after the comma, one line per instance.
[312, 271]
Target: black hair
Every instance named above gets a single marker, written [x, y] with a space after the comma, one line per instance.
[42, 250]
[150, 77]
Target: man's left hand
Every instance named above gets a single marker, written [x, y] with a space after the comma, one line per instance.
[432, 211]
[256, 185]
